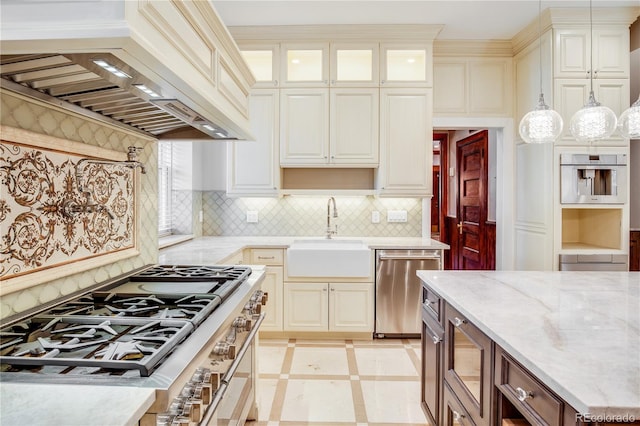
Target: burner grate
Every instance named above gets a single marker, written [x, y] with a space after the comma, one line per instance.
[191, 273]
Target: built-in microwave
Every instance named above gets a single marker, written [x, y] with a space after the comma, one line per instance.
[588, 178]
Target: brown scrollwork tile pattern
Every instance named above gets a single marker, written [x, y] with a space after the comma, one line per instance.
[18, 111]
[37, 233]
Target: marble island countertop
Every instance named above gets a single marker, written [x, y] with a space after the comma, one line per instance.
[577, 332]
[212, 250]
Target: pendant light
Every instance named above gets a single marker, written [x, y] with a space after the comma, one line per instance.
[593, 121]
[542, 125]
[629, 121]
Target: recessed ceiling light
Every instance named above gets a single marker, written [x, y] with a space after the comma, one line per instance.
[113, 70]
[411, 60]
[295, 61]
[209, 127]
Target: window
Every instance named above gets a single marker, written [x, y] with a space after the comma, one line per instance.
[165, 160]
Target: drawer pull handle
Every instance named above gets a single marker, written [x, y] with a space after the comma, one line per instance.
[266, 257]
[436, 339]
[457, 416]
[523, 395]
[458, 322]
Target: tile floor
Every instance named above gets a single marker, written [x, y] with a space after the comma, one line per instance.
[339, 382]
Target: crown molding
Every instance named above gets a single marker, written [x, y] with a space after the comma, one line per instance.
[469, 48]
[393, 33]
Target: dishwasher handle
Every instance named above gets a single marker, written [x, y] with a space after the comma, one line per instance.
[409, 256]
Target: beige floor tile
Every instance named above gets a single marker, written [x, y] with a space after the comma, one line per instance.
[270, 359]
[266, 393]
[320, 361]
[382, 361]
[392, 402]
[318, 401]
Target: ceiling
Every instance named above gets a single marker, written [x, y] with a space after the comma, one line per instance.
[462, 20]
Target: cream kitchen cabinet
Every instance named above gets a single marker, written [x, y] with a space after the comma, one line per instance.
[336, 127]
[304, 64]
[610, 52]
[273, 259]
[252, 166]
[355, 65]
[338, 307]
[472, 87]
[406, 65]
[572, 94]
[264, 62]
[406, 138]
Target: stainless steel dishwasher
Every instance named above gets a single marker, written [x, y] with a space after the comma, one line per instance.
[399, 290]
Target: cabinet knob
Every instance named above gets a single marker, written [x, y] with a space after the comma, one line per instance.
[523, 395]
[275, 82]
[458, 322]
[325, 81]
[383, 81]
[333, 82]
[457, 416]
[436, 339]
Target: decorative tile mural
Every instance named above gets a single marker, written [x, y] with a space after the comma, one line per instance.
[19, 111]
[46, 220]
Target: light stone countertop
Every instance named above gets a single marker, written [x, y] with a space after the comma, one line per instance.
[578, 332]
[71, 405]
[211, 250]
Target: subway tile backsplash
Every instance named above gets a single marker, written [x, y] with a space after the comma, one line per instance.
[306, 216]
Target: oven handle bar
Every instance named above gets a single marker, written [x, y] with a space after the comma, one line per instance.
[224, 383]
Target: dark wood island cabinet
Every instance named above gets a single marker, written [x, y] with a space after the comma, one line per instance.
[469, 379]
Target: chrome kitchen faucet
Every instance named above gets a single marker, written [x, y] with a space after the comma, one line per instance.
[331, 232]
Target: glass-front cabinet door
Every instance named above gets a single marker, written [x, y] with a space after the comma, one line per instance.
[468, 354]
[355, 65]
[406, 65]
[264, 63]
[305, 65]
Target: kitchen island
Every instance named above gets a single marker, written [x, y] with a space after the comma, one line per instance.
[576, 333]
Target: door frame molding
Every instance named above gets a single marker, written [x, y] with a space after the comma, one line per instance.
[505, 176]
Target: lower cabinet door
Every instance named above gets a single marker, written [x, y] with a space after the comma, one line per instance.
[431, 377]
[454, 413]
[272, 285]
[306, 306]
[351, 307]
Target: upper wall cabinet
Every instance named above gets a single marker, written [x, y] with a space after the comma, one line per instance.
[406, 65]
[472, 86]
[355, 64]
[304, 65]
[610, 53]
[264, 62]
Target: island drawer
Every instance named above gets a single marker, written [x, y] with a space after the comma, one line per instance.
[432, 303]
[266, 256]
[530, 397]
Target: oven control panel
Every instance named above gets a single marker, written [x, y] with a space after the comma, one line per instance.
[207, 385]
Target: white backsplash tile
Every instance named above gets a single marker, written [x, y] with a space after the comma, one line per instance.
[307, 216]
[20, 112]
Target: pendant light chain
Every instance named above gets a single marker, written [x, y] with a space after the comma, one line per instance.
[540, 39]
[591, 43]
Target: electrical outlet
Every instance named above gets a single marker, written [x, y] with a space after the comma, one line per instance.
[396, 215]
[375, 216]
[252, 216]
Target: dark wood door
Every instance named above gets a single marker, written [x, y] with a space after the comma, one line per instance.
[472, 163]
[435, 201]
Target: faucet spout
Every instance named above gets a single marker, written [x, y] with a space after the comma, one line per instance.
[330, 231]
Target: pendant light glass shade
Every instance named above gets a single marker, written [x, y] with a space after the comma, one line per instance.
[629, 121]
[542, 125]
[593, 121]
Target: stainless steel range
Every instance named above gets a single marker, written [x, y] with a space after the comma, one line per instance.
[186, 331]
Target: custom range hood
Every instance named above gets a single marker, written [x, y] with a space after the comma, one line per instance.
[169, 69]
